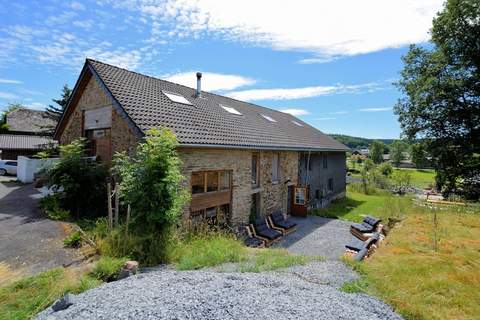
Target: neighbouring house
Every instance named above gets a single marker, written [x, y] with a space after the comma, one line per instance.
[25, 135]
[239, 159]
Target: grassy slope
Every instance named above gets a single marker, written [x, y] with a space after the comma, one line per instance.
[426, 284]
[25, 298]
[405, 271]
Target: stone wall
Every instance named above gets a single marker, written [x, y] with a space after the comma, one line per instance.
[273, 196]
[93, 96]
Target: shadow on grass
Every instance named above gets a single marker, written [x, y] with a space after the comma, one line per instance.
[340, 208]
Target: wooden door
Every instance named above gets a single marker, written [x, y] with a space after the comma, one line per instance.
[299, 200]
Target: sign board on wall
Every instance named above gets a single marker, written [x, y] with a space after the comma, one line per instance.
[99, 118]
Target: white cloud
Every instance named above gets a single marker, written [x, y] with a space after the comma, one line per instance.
[123, 59]
[10, 81]
[325, 28]
[77, 6]
[36, 106]
[301, 93]
[7, 96]
[374, 109]
[295, 112]
[340, 112]
[84, 24]
[210, 81]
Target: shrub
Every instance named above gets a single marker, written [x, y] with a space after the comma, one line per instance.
[79, 182]
[50, 205]
[107, 268]
[401, 181]
[74, 240]
[150, 182]
[385, 168]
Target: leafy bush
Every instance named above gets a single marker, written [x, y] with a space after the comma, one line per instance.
[50, 205]
[150, 182]
[470, 188]
[79, 182]
[385, 168]
[401, 181]
[74, 240]
[107, 268]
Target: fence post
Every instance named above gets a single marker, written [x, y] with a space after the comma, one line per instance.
[127, 221]
[109, 201]
[117, 205]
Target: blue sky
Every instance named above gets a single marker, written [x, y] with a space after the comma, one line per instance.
[331, 63]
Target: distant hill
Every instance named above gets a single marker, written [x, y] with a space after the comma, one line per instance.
[357, 142]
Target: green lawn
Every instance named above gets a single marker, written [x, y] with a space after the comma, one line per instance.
[406, 271]
[421, 178]
[357, 205]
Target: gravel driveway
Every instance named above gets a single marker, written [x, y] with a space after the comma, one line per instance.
[169, 294]
[28, 241]
[318, 236]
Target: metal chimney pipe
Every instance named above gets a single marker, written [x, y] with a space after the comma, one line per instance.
[199, 84]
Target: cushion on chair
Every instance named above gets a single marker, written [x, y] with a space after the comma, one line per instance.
[362, 227]
[371, 221]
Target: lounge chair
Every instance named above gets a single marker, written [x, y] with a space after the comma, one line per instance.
[251, 240]
[262, 231]
[357, 245]
[278, 222]
[364, 230]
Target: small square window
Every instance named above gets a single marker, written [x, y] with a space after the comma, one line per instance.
[268, 117]
[231, 110]
[176, 97]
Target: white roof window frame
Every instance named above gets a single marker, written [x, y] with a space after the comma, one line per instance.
[231, 110]
[175, 97]
[267, 117]
[295, 122]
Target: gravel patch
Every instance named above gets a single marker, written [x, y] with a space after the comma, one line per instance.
[169, 294]
[318, 236]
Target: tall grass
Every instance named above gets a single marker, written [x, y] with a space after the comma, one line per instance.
[424, 283]
[25, 298]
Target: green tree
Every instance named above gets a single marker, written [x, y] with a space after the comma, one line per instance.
[441, 103]
[151, 182]
[376, 151]
[55, 112]
[396, 152]
[78, 182]
[419, 155]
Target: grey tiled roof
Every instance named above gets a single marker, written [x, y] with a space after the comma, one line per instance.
[28, 120]
[24, 142]
[205, 123]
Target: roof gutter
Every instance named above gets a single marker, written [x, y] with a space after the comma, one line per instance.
[266, 148]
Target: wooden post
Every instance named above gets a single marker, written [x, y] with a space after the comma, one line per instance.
[127, 221]
[117, 205]
[109, 201]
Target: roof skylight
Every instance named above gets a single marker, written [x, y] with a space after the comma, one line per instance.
[268, 117]
[231, 110]
[297, 123]
[176, 97]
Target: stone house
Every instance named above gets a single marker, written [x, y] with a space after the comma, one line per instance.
[239, 159]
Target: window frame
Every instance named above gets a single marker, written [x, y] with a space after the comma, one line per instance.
[276, 168]
[330, 184]
[325, 161]
[256, 178]
[300, 200]
[205, 174]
